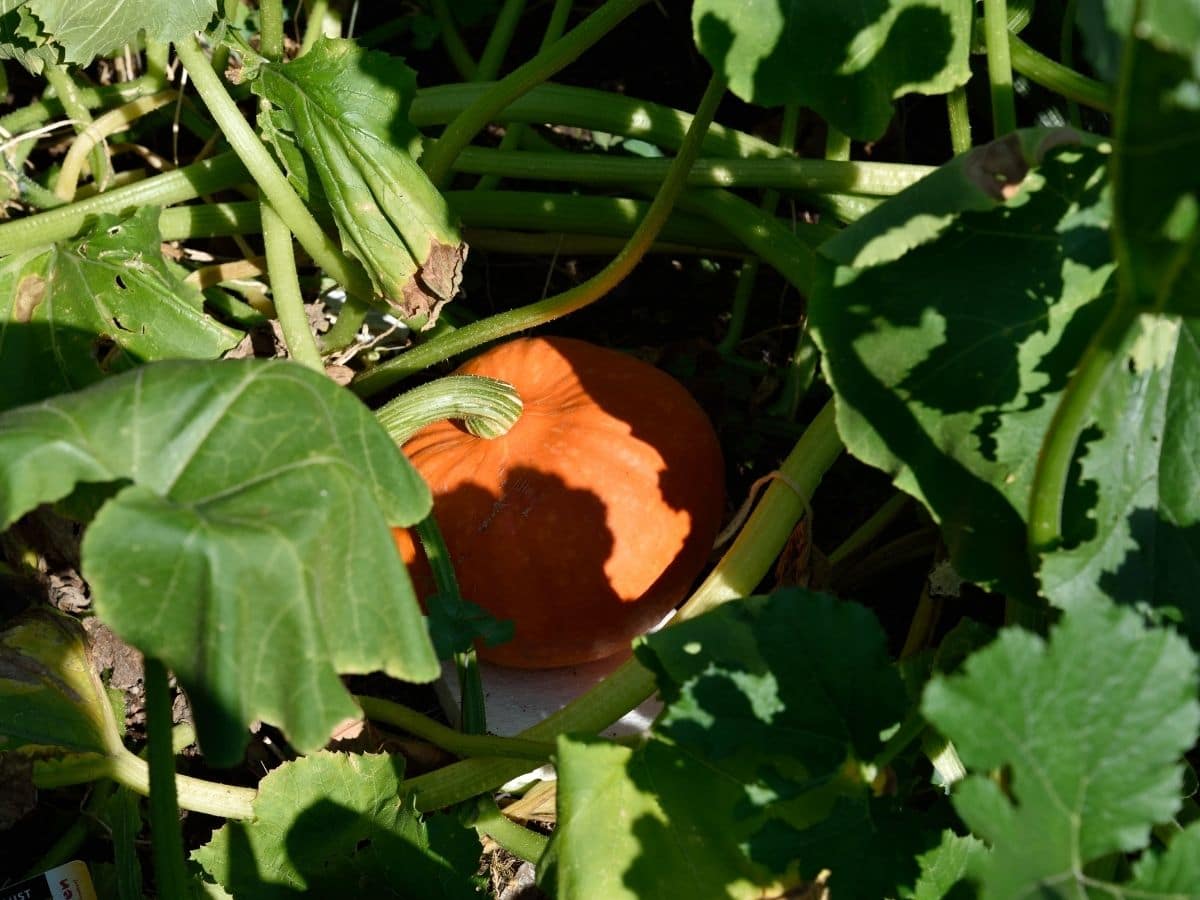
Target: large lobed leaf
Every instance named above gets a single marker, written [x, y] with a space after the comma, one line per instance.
[333, 825]
[85, 29]
[847, 61]
[749, 775]
[250, 549]
[94, 306]
[345, 110]
[951, 319]
[1089, 728]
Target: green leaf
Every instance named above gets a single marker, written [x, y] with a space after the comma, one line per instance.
[50, 695]
[1089, 728]
[749, 776]
[346, 110]
[23, 40]
[847, 61]
[950, 320]
[1139, 460]
[97, 305]
[947, 864]
[252, 552]
[332, 824]
[1174, 873]
[86, 29]
[1156, 185]
[1104, 25]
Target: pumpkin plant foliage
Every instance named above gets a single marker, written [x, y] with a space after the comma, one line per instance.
[249, 499]
[1011, 342]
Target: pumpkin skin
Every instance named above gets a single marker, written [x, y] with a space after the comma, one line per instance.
[590, 519]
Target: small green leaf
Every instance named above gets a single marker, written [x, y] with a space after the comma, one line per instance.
[950, 321]
[252, 552]
[95, 306]
[346, 110]
[1089, 727]
[86, 29]
[332, 824]
[749, 776]
[847, 61]
[1173, 873]
[50, 695]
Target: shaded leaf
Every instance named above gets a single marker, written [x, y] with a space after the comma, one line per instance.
[1089, 728]
[847, 61]
[749, 777]
[97, 305]
[346, 110]
[252, 551]
[49, 694]
[1140, 461]
[330, 824]
[1156, 185]
[951, 319]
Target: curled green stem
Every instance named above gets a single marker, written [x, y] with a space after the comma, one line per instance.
[69, 95]
[487, 407]
[93, 135]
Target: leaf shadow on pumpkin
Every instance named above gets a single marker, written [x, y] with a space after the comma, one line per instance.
[529, 536]
[520, 530]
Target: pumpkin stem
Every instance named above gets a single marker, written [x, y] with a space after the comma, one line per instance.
[487, 407]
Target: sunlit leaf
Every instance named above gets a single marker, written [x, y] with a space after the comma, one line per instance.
[1089, 728]
[847, 61]
[251, 551]
[94, 306]
[951, 319]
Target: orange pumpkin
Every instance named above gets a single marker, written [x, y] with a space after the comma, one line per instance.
[590, 519]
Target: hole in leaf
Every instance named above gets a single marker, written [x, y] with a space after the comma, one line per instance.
[121, 285]
[105, 351]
